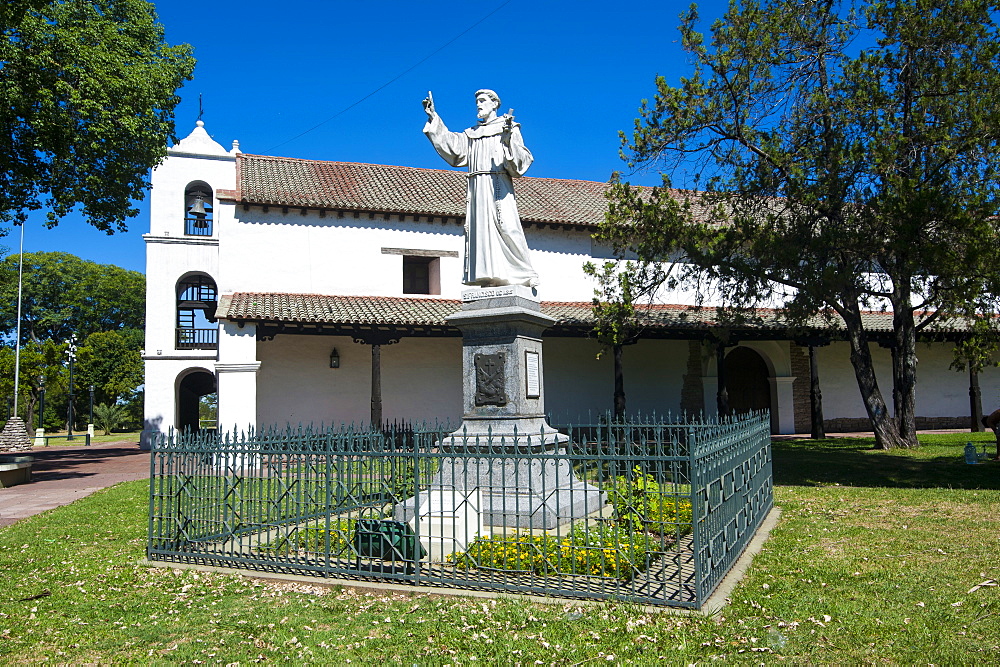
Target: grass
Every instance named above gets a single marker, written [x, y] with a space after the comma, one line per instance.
[79, 438]
[879, 557]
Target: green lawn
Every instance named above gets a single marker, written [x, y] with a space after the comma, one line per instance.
[80, 439]
[879, 557]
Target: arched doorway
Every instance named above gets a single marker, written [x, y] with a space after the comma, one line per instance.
[747, 381]
[190, 390]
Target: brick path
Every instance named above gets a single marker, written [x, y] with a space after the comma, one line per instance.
[61, 475]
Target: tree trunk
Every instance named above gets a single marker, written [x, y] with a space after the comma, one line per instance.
[815, 397]
[975, 401]
[619, 384]
[904, 369]
[29, 419]
[883, 426]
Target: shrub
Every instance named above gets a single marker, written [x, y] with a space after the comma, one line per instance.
[313, 540]
[605, 550]
[109, 417]
[641, 504]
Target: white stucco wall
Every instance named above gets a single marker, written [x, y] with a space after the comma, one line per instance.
[577, 383]
[170, 256]
[162, 376]
[421, 380]
[343, 255]
[941, 392]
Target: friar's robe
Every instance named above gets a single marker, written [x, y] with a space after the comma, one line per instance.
[495, 250]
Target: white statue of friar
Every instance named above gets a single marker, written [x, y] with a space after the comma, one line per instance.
[496, 252]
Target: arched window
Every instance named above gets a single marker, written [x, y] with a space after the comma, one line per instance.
[197, 301]
[198, 209]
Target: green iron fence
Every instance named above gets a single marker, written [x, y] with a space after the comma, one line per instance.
[650, 512]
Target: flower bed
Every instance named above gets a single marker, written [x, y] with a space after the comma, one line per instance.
[646, 520]
[605, 550]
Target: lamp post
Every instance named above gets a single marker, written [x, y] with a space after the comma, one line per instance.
[90, 420]
[41, 402]
[71, 353]
[40, 431]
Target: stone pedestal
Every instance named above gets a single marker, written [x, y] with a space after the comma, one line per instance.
[504, 447]
[503, 387]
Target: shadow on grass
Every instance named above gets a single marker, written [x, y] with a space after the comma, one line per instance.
[855, 462]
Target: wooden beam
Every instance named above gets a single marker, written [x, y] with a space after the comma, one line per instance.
[376, 411]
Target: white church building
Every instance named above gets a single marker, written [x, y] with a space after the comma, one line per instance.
[315, 292]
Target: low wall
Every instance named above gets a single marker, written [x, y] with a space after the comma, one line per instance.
[14, 470]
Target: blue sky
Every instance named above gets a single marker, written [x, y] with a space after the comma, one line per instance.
[334, 80]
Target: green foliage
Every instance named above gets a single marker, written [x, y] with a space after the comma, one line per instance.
[400, 482]
[64, 294]
[109, 417]
[848, 155]
[614, 304]
[616, 317]
[603, 551]
[977, 350]
[318, 540]
[208, 407]
[38, 361]
[89, 92]
[111, 361]
[642, 505]
[102, 304]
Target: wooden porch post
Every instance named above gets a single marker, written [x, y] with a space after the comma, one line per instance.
[376, 415]
[376, 339]
[722, 395]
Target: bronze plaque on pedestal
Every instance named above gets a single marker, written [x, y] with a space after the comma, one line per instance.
[490, 379]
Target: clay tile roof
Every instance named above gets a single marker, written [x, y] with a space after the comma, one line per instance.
[432, 312]
[279, 181]
[422, 311]
[324, 309]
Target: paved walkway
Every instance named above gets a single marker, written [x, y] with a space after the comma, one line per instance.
[63, 474]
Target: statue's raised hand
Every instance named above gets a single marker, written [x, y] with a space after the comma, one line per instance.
[429, 105]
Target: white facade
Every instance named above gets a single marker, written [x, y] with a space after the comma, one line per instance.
[288, 380]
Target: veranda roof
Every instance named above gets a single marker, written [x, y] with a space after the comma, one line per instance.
[278, 312]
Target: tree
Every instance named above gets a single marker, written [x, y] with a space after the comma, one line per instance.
[616, 322]
[63, 294]
[109, 417]
[38, 361]
[848, 157]
[88, 90]
[111, 362]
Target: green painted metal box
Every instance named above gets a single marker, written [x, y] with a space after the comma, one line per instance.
[387, 540]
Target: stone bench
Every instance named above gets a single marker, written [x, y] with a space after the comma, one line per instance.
[14, 470]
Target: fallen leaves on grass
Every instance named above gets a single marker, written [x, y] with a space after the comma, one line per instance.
[988, 582]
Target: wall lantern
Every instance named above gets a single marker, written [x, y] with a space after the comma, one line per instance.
[334, 359]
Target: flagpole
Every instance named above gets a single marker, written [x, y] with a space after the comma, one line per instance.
[17, 342]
